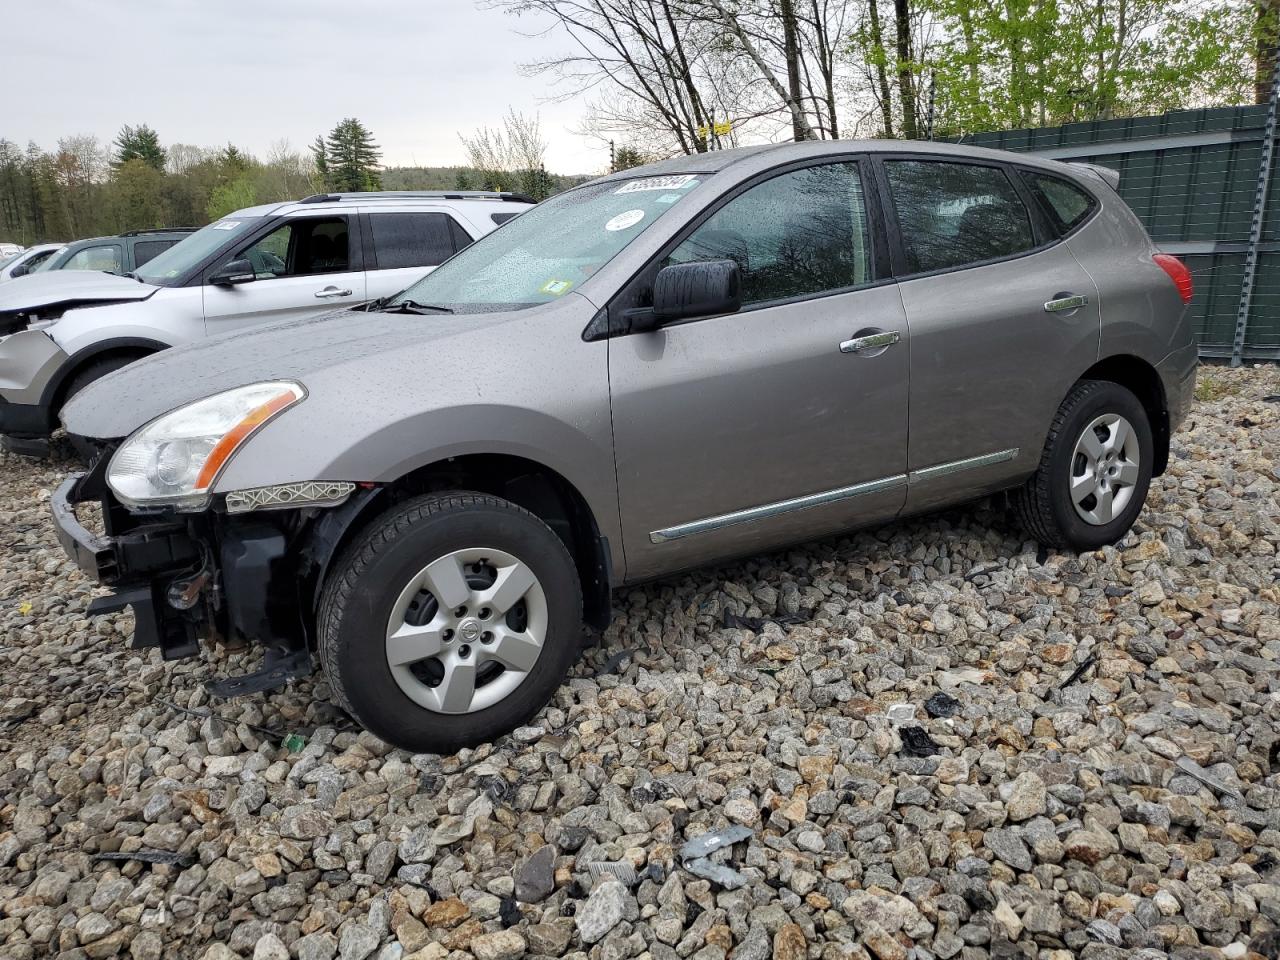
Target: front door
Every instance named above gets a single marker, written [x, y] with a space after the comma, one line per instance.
[305, 266]
[779, 423]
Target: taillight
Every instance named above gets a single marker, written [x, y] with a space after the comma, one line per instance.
[1178, 273]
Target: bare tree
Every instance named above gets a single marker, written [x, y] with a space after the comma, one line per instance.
[655, 66]
[510, 157]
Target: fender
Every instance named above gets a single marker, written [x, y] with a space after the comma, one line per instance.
[75, 363]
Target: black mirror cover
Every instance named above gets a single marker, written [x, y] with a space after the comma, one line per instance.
[233, 272]
[699, 289]
[19, 271]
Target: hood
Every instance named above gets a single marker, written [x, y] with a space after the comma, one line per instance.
[123, 401]
[50, 294]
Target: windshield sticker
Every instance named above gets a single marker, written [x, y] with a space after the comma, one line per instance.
[625, 220]
[657, 183]
[669, 198]
[226, 224]
[557, 287]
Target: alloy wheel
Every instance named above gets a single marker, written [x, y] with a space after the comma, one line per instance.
[1104, 469]
[466, 630]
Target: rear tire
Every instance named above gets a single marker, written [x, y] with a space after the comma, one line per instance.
[1094, 471]
[451, 620]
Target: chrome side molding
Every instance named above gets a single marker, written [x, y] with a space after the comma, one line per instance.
[768, 510]
[955, 466]
[775, 509]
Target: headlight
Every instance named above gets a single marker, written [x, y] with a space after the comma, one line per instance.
[175, 459]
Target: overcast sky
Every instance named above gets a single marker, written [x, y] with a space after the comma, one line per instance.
[416, 72]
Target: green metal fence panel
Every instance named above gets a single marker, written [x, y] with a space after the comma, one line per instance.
[1192, 177]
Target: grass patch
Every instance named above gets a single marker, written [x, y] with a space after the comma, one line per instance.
[1210, 388]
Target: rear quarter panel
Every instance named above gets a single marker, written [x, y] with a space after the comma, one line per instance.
[1142, 312]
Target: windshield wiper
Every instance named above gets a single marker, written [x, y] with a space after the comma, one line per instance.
[413, 306]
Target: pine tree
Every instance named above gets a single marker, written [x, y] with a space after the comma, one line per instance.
[352, 156]
[139, 143]
[320, 157]
[464, 180]
[233, 157]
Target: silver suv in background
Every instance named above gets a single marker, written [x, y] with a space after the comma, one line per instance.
[61, 331]
[27, 261]
[672, 366]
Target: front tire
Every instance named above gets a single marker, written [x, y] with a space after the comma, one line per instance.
[451, 620]
[1094, 471]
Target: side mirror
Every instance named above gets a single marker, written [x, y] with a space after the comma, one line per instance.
[19, 271]
[700, 289]
[232, 273]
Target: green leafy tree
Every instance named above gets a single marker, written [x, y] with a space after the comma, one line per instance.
[139, 143]
[352, 158]
[463, 181]
[235, 195]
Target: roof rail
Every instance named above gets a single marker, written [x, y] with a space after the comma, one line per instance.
[420, 195]
[138, 233]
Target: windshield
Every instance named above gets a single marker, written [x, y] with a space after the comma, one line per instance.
[551, 249]
[5, 261]
[167, 267]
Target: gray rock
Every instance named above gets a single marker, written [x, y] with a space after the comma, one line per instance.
[535, 878]
[608, 905]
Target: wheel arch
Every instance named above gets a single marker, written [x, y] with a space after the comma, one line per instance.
[527, 483]
[1143, 381]
[139, 347]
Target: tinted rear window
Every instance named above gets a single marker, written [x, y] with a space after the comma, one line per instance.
[501, 218]
[411, 239]
[146, 250]
[952, 214]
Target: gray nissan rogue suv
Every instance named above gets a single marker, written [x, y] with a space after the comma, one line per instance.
[708, 357]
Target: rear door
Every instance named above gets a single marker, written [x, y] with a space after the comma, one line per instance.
[1002, 321]
[303, 266]
[781, 422]
[404, 245]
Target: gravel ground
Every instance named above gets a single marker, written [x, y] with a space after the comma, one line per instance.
[938, 741]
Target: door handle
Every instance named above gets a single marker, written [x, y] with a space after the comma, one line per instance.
[328, 293]
[871, 341]
[1063, 304]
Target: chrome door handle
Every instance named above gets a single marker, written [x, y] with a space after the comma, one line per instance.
[328, 293]
[871, 341]
[1066, 303]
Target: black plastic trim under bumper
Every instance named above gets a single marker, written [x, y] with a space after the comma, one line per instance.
[26, 419]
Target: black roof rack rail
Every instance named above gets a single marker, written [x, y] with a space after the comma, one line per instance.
[420, 195]
[139, 233]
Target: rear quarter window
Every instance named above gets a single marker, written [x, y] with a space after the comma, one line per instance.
[1066, 204]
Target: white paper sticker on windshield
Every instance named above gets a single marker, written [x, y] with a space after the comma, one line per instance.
[226, 224]
[556, 287]
[656, 183]
[624, 220]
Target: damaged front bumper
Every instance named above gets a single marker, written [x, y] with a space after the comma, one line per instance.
[29, 362]
[208, 576]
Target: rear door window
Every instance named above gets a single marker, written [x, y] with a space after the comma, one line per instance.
[955, 214]
[103, 257]
[1066, 204]
[144, 251]
[411, 239]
